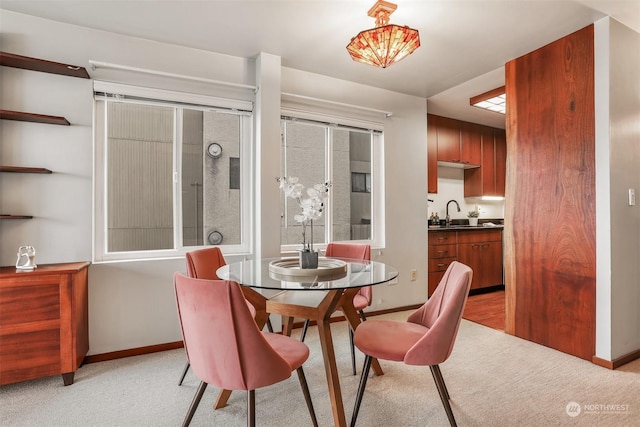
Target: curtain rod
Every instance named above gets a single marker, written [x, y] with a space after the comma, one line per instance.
[387, 114]
[99, 64]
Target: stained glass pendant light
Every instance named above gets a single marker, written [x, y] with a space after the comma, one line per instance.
[386, 43]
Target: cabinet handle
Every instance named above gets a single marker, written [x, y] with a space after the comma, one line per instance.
[480, 245]
[442, 252]
[443, 238]
[443, 265]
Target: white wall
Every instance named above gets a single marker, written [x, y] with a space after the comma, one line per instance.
[617, 158]
[131, 304]
[625, 174]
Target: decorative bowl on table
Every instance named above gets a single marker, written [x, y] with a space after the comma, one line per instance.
[289, 269]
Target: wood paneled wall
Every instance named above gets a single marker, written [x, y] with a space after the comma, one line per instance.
[550, 201]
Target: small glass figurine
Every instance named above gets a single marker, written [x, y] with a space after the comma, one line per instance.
[26, 258]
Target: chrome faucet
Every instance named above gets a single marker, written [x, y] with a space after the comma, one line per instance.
[448, 218]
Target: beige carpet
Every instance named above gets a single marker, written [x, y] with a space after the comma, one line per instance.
[494, 380]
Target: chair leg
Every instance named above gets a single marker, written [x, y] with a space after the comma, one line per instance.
[363, 383]
[194, 404]
[184, 372]
[307, 395]
[269, 325]
[442, 390]
[304, 330]
[440, 379]
[353, 351]
[251, 408]
[353, 347]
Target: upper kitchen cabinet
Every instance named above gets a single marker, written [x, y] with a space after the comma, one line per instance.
[470, 143]
[456, 146]
[489, 179]
[480, 150]
[500, 147]
[432, 155]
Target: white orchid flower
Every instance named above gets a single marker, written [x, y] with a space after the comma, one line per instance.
[311, 207]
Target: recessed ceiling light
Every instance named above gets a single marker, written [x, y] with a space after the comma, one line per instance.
[495, 100]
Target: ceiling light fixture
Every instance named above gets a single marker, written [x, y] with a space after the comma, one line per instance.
[386, 43]
[495, 100]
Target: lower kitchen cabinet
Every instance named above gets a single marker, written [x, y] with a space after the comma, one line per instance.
[479, 249]
[482, 251]
[44, 322]
[442, 251]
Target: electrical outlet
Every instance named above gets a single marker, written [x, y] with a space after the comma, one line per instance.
[632, 197]
[414, 275]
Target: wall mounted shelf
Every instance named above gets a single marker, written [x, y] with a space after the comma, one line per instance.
[27, 63]
[3, 216]
[35, 64]
[35, 118]
[21, 169]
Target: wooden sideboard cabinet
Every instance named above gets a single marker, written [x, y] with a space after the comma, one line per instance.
[44, 322]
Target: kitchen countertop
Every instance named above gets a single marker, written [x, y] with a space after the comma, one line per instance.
[498, 225]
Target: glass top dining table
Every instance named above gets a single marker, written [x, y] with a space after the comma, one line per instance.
[267, 273]
[313, 295]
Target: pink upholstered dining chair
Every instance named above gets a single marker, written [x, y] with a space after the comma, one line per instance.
[362, 299]
[203, 264]
[426, 338]
[225, 347]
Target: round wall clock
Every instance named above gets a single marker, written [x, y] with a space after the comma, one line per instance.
[214, 150]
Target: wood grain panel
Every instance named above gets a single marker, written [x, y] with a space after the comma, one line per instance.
[30, 355]
[43, 300]
[550, 212]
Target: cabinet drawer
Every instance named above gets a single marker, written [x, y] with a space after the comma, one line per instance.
[442, 237]
[29, 355]
[442, 251]
[440, 264]
[479, 236]
[38, 301]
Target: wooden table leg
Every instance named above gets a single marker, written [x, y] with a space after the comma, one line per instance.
[221, 401]
[331, 370]
[287, 325]
[259, 303]
[293, 305]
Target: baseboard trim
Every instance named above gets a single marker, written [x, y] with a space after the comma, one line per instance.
[616, 363]
[132, 352]
[178, 344]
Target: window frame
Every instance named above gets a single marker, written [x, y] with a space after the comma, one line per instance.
[378, 226]
[179, 101]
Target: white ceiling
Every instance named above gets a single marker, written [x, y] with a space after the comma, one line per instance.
[465, 43]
